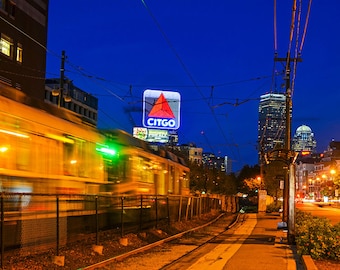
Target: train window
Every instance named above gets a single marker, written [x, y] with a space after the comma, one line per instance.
[185, 180]
[79, 158]
[171, 179]
[5, 152]
[23, 154]
[14, 150]
[143, 170]
[118, 169]
[92, 162]
[54, 154]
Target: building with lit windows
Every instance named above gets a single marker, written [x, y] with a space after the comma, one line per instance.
[271, 121]
[23, 39]
[228, 163]
[304, 173]
[209, 160]
[304, 140]
[195, 154]
[332, 152]
[75, 99]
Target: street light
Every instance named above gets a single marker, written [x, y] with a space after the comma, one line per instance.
[332, 172]
[60, 92]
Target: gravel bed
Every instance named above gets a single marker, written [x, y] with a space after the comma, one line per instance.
[81, 253]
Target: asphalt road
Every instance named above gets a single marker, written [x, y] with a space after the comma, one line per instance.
[332, 213]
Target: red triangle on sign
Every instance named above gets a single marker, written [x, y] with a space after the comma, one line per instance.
[161, 109]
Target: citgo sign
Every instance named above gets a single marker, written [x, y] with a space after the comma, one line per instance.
[161, 109]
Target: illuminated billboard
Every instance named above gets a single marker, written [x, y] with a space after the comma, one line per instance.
[151, 135]
[161, 109]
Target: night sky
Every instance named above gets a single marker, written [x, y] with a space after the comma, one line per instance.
[219, 55]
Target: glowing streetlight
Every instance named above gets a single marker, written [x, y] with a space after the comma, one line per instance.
[60, 92]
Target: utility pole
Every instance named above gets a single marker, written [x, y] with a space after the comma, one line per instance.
[289, 181]
[62, 77]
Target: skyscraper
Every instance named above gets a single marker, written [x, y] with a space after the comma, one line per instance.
[271, 123]
[304, 140]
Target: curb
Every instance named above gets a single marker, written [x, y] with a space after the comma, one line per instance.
[308, 263]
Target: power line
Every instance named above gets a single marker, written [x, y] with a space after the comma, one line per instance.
[24, 33]
[186, 71]
[306, 25]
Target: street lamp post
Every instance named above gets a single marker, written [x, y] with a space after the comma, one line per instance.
[60, 92]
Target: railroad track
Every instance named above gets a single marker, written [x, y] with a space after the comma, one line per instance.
[175, 251]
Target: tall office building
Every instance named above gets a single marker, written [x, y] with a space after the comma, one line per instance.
[23, 39]
[304, 140]
[271, 122]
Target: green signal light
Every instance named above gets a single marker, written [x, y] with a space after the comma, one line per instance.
[107, 151]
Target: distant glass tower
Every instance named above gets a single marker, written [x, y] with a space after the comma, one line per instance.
[304, 140]
[272, 122]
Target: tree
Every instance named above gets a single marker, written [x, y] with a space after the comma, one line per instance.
[274, 173]
[247, 172]
[252, 185]
[211, 180]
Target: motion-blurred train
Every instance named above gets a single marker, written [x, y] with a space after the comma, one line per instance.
[48, 154]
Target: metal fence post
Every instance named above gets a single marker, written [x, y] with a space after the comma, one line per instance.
[122, 217]
[200, 206]
[168, 209]
[2, 229]
[187, 208]
[156, 205]
[180, 208]
[141, 213]
[57, 225]
[97, 220]
[192, 208]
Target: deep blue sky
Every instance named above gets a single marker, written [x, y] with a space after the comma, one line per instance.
[189, 46]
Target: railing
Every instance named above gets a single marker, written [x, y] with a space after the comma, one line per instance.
[37, 222]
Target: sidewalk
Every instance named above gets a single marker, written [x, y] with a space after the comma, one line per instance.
[266, 248]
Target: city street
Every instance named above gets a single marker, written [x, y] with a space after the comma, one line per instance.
[332, 213]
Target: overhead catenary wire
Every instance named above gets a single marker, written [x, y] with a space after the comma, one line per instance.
[186, 71]
[275, 28]
[298, 49]
[291, 35]
[24, 33]
[295, 25]
[296, 52]
[306, 25]
[294, 33]
[113, 91]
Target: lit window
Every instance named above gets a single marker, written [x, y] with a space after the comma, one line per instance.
[19, 53]
[6, 45]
